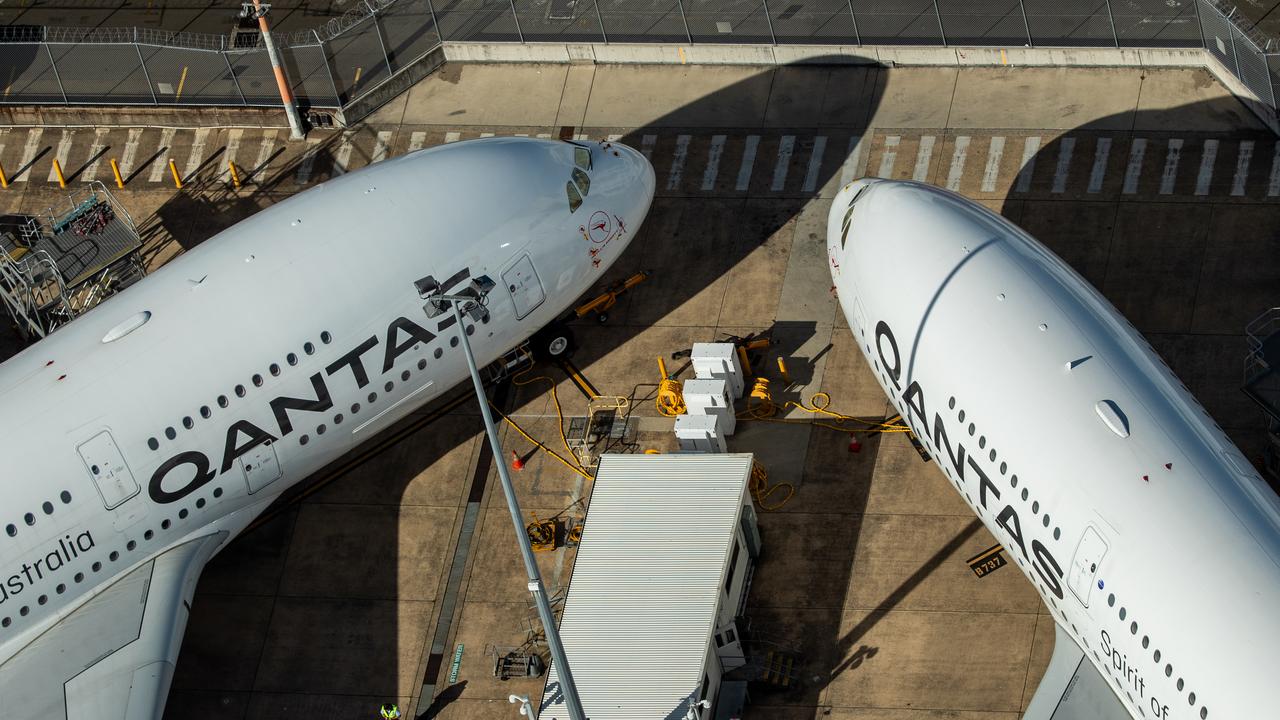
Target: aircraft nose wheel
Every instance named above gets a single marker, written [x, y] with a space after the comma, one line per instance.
[554, 342]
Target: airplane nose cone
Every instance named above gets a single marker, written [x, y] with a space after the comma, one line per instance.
[639, 170]
[637, 183]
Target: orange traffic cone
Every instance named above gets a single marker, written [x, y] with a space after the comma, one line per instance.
[516, 462]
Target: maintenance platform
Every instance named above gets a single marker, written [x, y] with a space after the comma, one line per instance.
[394, 575]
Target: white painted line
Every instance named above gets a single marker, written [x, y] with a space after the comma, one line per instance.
[544, 136]
[164, 150]
[1205, 176]
[957, 163]
[580, 137]
[1243, 157]
[815, 164]
[1100, 155]
[130, 152]
[29, 153]
[64, 149]
[923, 157]
[1066, 146]
[786, 148]
[455, 137]
[713, 162]
[342, 158]
[850, 166]
[308, 162]
[381, 146]
[1170, 166]
[1133, 172]
[612, 138]
[1029, 149]
[197, 153]
[233, 146]
[522, 135]
[992, 171]
[748, 160]
[485, 135]
[264, 154]
[1273, 183]
[646, 146]
[889, 156]
[95, 159]
[417, 140]
[677, 162]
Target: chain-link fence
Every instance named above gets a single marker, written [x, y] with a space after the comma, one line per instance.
[348, 57]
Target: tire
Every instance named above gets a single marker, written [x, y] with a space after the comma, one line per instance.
[554, 342]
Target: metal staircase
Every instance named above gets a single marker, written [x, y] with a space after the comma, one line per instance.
[58, 265]
[1262, 379]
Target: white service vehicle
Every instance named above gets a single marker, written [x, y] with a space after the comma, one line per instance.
[1151, 539]
[140, 438]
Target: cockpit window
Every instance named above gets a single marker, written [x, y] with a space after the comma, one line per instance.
[844, 231]
[582, 158]
[575, 198]
[584, 182]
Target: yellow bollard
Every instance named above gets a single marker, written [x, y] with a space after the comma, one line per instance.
[173, 169]
[746, 364]
[235, 176]
[115, 169]
[57, 169]
[4, 179]
[782, 370]
[181, 81]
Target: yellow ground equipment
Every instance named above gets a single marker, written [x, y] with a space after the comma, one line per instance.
[761, 490]
[542, 534]
[600, 305]
[670, 400]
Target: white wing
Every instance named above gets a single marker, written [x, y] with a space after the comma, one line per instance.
[113, 657]
[1072, 688]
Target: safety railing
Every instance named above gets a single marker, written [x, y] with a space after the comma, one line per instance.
[348, 57]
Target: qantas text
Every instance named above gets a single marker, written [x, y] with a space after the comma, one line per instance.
[1040, 558]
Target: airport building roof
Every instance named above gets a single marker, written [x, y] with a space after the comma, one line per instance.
[646, 584]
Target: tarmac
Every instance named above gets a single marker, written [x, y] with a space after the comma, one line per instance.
[1157, 186]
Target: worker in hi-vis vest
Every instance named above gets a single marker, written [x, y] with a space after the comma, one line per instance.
[390, 711]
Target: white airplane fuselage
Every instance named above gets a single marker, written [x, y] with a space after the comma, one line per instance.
[1151, 539]
[183, 406]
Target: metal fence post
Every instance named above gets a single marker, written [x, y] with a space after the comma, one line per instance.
[1235, 55]
[772, 36]
[373, 16]
[1204, 41]
[600, 18]
[854, 17]
[515, 16]
[56, 76]
[941, 30]
[1026, 24]
[680, 4]
[324, 57]
[234, 79]
[439, 33]
[1112, 19]
[146, 75]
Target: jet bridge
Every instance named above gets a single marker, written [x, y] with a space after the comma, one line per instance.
[59, 264]
[1262, 379]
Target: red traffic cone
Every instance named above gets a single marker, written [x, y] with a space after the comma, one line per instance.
[854, 445]
[516, 462]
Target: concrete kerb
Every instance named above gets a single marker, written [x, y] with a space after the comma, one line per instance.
[653, 54]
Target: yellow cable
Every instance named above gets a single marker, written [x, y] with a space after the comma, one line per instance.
[575, 466]
[760, 489]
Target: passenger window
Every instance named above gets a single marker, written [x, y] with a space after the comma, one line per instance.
[582, 158]
[575, 199]
[584, 182]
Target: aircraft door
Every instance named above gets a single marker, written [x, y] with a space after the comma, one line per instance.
[1084, 567]
[523, 284]
[261, 466]
[108, 470]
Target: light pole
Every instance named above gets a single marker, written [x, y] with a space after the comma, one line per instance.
[259, 10]
[472, 299]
